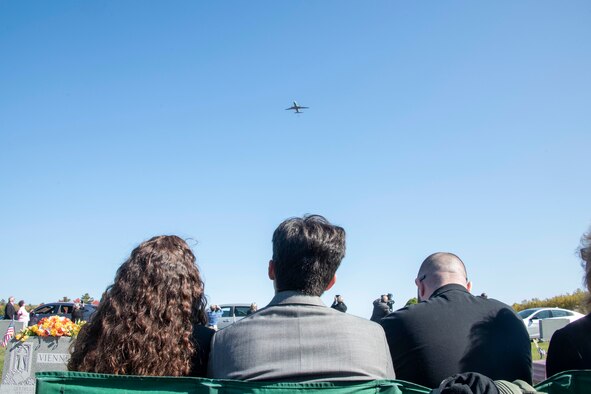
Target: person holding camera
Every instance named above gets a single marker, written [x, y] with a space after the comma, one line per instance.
[380, 308]
[390, 302]
[339, 304]
[253, 308]
[213, 315]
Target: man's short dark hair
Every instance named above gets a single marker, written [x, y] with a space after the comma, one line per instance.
[306, 253]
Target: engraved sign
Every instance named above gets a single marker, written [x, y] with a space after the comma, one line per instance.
[19, 372]
[36, 354]
[52, 358]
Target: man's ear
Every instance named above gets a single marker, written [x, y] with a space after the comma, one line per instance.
[332, 282]
[469, 286]
[420, 289]
[271, 270]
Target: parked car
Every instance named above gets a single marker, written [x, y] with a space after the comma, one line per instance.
[531, 318]
[59, 309]
[232, 313]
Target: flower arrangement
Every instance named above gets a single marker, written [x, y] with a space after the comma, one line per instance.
[53, 326]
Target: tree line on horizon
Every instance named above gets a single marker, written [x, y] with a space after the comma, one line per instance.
[577, 301]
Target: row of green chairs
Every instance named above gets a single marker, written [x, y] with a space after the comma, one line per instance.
[571, 382]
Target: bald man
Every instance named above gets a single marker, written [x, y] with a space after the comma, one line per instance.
[451, 331]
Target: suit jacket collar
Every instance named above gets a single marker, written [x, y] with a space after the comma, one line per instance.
[295, 297]
[446, 288]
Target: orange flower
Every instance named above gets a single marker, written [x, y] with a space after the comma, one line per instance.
[55, 326]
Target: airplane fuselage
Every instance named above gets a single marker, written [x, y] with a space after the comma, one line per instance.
[296, 108]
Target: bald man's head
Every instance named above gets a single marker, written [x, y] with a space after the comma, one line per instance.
[440, 269]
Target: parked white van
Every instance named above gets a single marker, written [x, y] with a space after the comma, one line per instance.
[232, 313]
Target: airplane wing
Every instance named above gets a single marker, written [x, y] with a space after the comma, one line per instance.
[287, 109]
[303, 107]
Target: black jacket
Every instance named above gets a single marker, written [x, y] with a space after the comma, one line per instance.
[380, 309]
[339, 306]
[77, 314]
[570, 347]
[455, 332]
[202, 339]
[9, 312]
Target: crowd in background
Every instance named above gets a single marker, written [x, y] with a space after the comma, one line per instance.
[12, 313]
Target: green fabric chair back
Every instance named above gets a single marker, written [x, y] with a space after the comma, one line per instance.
[94, 383]
[569, 382]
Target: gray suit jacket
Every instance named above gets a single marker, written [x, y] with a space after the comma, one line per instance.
[297, 338]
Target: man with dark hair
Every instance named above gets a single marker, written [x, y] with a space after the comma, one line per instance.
[296, 337]
[451, 331]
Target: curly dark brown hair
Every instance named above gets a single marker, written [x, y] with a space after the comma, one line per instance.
[144, 324]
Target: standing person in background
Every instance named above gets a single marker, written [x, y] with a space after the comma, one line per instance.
[253, 308]
[213, 315]
[339, 303]
[390, 302]
[151, 320]
[9, 310]
[570, 347]
[77, 312]
[22, 314]
[380, 308]
[450, 331]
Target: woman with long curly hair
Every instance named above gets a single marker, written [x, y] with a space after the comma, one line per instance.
[151, 320]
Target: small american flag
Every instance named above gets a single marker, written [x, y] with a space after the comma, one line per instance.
[9, 334]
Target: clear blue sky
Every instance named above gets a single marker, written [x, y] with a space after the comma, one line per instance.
[434, 126]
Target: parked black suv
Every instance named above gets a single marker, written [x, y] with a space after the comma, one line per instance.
[59, 309]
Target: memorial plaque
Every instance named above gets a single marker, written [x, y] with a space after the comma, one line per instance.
[23, 359]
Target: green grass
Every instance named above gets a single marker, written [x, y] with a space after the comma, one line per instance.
[2, 350]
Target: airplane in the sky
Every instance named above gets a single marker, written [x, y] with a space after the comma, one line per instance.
[296, 108]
